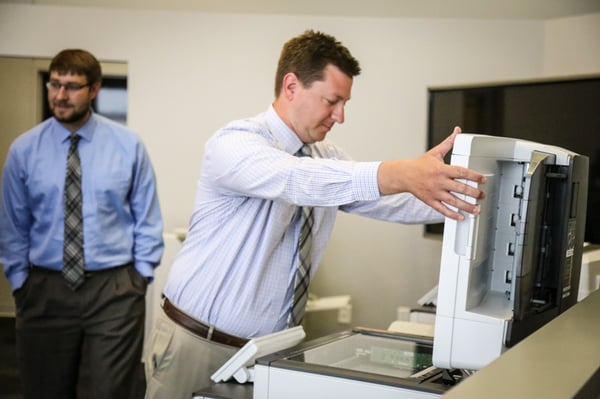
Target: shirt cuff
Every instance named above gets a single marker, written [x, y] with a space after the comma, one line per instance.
[16, 280]
[364, 176]
[145, 269]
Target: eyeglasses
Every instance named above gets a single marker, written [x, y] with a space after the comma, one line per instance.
[70, 87]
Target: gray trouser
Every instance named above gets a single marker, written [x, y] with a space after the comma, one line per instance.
[54, 324]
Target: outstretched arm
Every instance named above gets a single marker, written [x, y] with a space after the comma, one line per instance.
[431, 180]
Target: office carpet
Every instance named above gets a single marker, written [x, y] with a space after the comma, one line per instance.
[10, 385]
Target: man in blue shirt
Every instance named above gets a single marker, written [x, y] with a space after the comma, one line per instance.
[235, 276]
[100, 303]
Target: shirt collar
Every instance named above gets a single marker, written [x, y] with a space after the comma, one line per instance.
[283, 134]
[86, 131]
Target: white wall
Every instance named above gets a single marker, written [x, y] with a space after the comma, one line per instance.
[572, 45]
[190, 73]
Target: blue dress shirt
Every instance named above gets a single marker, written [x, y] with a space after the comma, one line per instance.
[121, 215]
[236, 268]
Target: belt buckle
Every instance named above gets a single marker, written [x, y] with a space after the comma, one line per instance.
[209, 334]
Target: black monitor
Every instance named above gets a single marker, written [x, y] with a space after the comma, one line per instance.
[561, 112]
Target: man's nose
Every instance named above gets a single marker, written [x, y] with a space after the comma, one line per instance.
[62, 92]
[338, 113]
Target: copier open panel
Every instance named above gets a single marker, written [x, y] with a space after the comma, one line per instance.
[515, 266]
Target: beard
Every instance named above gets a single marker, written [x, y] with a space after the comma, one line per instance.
[73, 117]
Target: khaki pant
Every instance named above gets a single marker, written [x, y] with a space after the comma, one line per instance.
[179, 363]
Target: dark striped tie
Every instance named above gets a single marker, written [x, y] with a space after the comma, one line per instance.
[73, 258]
[303, 261]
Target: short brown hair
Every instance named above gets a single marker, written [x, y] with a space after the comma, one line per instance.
[79, 62]
[308, 54]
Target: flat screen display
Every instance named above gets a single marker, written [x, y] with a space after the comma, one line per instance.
[564, 113]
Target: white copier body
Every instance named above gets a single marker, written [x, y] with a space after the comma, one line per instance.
[489, 259]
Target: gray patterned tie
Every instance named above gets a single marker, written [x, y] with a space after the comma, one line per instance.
[304, 262]
[73, 258]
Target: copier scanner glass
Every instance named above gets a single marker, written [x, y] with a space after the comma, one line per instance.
[361, 363]
[371, 354]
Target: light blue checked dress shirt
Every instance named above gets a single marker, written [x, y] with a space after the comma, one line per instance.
[237, 265]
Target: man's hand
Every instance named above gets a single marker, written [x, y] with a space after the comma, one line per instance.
[432, 181]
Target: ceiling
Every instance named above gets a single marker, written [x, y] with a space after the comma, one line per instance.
[469, 9]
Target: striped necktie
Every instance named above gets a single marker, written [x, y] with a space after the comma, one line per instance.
[73, 258]
[302, 278]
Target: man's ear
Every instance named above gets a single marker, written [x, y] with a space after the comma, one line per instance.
[94, 89]
[290, 85]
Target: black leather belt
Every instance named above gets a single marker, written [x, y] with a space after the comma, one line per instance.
[86, 273]
[199, 328]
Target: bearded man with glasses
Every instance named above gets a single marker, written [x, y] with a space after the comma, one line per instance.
[81, 235]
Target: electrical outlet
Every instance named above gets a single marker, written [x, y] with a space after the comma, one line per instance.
[345, 314]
